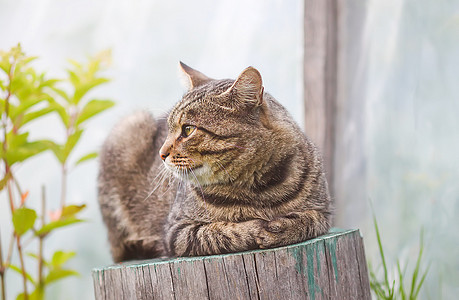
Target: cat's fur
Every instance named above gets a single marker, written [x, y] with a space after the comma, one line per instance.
[246, 177]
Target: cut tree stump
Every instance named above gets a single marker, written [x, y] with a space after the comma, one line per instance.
[332, 266]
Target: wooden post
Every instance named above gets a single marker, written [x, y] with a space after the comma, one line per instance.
[332, 266]
[320, 77]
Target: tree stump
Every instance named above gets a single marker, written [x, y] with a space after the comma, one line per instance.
[332, 266]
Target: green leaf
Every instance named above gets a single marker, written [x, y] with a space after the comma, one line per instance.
[23, 220]
[49, 83]
[93, 108]
[19, 153]
[58, 274]
[36, 114]
[61, 93]
[35, 256]
[18, 270]
[47, 228]
[71, 142]
[34, 99]
[36, 295]
[86, 157]
[62, 112]
[72, 210]
[82, 88]
[60, 258]
[4, 181]
[58, 151]
[62, 152]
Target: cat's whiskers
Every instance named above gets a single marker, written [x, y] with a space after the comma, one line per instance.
[171, 181]
[162, 175]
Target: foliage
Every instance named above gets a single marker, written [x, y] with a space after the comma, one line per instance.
[384, 289]
[27, 96]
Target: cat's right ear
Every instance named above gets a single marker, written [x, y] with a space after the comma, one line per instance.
[248, 88]
[195, 78]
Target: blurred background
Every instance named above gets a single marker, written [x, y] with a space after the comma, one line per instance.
[397, 138]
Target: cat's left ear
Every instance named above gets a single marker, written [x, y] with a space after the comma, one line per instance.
[195, 77]
[248, 87]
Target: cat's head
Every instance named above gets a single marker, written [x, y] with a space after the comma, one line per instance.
[216, 129]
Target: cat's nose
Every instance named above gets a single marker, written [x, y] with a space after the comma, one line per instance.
[163, 154]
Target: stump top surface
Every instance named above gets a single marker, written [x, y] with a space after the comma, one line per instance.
[333, 233]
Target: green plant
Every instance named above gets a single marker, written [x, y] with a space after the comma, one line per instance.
[27, 96]
[383, 289]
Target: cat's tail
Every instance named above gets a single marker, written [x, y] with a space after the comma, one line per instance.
[126, 158]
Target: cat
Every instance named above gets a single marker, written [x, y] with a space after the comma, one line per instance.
[229, 170]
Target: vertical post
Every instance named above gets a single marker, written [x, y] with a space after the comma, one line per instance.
[320, 77]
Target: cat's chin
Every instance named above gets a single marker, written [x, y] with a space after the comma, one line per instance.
[198, 176]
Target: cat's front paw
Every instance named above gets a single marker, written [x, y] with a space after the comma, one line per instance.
[275, 233]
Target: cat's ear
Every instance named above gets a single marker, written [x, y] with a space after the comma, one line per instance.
[195, 78]
[248, 87]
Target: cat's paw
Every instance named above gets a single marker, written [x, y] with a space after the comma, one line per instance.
[274, 233]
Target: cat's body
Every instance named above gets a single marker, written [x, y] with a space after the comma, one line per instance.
[248, 177]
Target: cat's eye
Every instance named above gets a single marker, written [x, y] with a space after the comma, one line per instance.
[187, 130]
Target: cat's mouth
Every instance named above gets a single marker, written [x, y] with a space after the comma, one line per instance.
[199, 174]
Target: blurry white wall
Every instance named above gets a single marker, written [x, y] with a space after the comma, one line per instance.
[147, 39]
[400, 141]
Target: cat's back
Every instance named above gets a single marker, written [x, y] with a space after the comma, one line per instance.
[129, 170]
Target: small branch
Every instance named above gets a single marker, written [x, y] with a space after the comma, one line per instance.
[21, 259]
[10, 250]
[2, 271]
[8, 187]
[7, 172]
[41, 239]
[63, 185]
[16, 183]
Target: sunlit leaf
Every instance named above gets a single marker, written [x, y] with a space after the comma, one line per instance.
[18, 270]
[35, 295]
[26, 150]
[74, 78]
[49, 83]
[71, 210]
[71, 142]
[86, 157]
[35, 256]
[61, 111]
[23, 220]
[82, 88]
[35, 98]
[58, 151]
[93, 108]
[36, 114]
[4, 181]
[57, 274]
[61, 93]
[47, 228]
[60, 258]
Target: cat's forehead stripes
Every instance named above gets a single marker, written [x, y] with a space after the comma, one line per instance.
[193, 99]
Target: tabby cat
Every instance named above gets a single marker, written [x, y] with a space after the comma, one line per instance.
[234, 172]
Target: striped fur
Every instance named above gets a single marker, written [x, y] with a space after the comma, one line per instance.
[246, 177]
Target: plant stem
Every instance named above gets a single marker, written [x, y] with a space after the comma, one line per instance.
[2, 270]
[40, 239]
[21, 259]
[7, 172]
[63, 185]
[10, 250]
